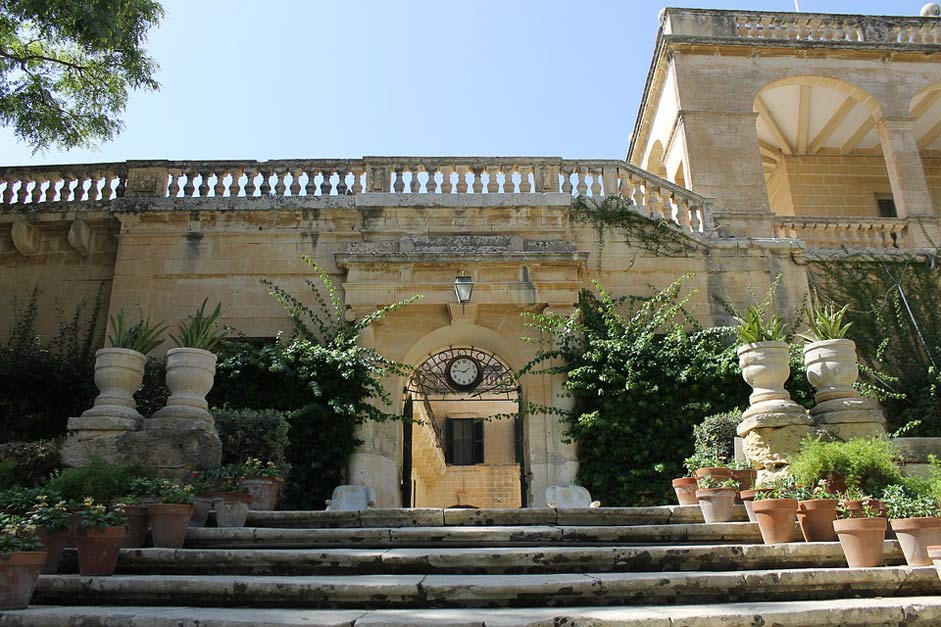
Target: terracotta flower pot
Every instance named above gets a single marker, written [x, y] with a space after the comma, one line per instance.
[776, 519]
[18, 575]
[934, 554]
[202, 505]
[168, 524]
[232, 509]
[138, 523]
[685, 488]
[832, 368]
[915, 535]
[855, 508]
[816, 517]
[746, 478]
[98, 550]
[55, 544]
[715, 472]
[717, 504]
[765, 367]
[264, 491]
[748, 498]
[862, 540]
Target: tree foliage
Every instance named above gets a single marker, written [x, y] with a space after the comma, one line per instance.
[66, 67]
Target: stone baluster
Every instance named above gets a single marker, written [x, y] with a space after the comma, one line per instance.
[431, 185]
[36, 192]
[581, 186]
[696, 222]
[655, 202]
[188, 187]
[326, 185]
[565, 176]
[310, 187]
[265, 188]
[446, 185]
[595, 181]
[414, 185]
[493, 185]
[250, 188]
[218, 188]
[478, 185]
[358, 172]
[525, 186]
[639, 192]
[172, 190]
[462, 171]
[398, 183]
[203, 189]
[280, 185]
[342, 173]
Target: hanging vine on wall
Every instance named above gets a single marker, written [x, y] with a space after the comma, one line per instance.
[651, 234]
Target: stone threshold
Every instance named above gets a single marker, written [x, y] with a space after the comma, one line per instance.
[470, 591]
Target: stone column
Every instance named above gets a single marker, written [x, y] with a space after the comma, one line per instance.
[906, 171]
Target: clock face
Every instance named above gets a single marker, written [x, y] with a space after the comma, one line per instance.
[464, 373]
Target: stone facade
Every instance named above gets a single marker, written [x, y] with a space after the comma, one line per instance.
[716, 156]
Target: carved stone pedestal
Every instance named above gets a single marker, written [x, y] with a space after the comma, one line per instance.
[771, 431]
[846, 418]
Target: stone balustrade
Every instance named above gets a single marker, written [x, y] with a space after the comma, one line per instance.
[849, 233]
[66, 183]
[393, 175]
[810, 27]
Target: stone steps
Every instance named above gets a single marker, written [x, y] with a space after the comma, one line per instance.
[534, 535]
[478, 561]
[886, 612]
[428, 517]
[473, 591]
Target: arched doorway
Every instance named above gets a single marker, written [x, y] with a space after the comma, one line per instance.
[463, 432]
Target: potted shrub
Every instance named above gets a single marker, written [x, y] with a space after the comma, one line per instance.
[746, 475]
[202, 500]
[119, 369]
[708, 465]
[915, 520]
[191, 367]
[861, 538]
[141, 494]
[262, 480]
[232, 499]
[775, 512]
[870, 464]
[101, 533]
[816, 511]
[21, 558]
[830, 358]
[716, 498]
[170, 516]
[52, 523]
[763, 355]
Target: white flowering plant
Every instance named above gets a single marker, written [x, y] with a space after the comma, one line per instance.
[17, 535]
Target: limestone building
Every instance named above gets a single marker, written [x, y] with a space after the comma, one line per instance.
[762, 139]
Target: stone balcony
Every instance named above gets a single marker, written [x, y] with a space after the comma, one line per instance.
[814, 29]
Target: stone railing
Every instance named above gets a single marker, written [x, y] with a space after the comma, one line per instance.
[65, 183]
[811, 27]
[393, 175]
[850, 233]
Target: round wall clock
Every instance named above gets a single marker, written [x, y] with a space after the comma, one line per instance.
[464, 373]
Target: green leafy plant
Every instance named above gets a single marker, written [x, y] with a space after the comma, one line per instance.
[174, 493]
[98, 479]
[710, 482]
[900, 502]
[17, 534]
[142, 336]
[30, 463]
[826, 323]
[703, 460]
[715, 435]
[753, 327]
[781, 488]
[226, 479]
[19, 500]
[254, 433]
[201, 330]
[254, 467]
[52, 515]
[868, 463]
[94, 515]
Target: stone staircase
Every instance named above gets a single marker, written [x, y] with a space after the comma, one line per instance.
[610, 566]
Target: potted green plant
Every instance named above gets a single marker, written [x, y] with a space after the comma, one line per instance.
[716, 498]
[191, 367]
[21, 558]
[119, 369]
[263, 481]
[816, 511]
[915, 520]
[142, 492]
[232, 498]
[748, 500]
[829, 357]
[101, 532]
[862, 538]
[685, 489]
[51, 521]
[702, 464]
[170, 516]
[763, 354]
[203, 499]
[776, 511]
[745, 473]
[870, 464]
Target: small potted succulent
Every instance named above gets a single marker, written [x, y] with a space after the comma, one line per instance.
[101, 533]
[829, 357]
[232, 498]
[119, 369]
[915, 520]
[191, 367]
[716, 498]
[263, 480]
[21, 558]
[862, 535]
[52, 522]
[816, 511]
[170, 516]
[763, 354]
[776, 511]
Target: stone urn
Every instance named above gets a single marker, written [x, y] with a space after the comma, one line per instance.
[765, 367]
[832, 368]
[118, 374]
[190, 374]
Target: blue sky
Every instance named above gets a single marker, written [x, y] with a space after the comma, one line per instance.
[291, 79]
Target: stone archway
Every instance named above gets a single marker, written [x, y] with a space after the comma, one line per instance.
[463, 437]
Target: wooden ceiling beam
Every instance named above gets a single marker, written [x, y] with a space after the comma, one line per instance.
[803, 119]
[868, 124]
[773, 126]
[831, 125]
[929, 138]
